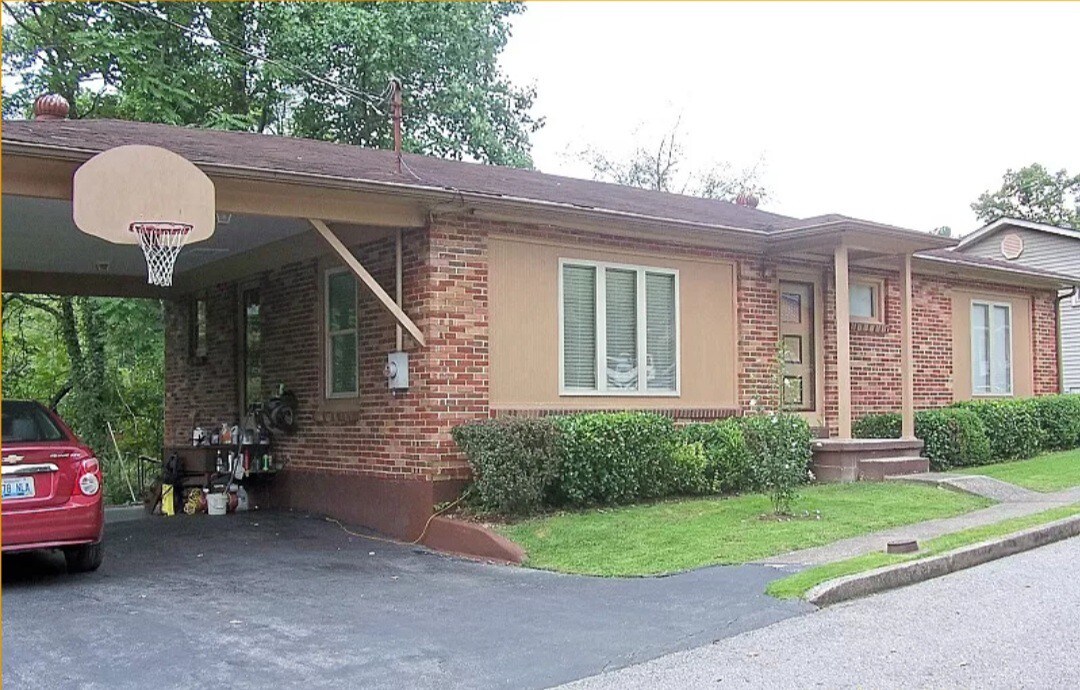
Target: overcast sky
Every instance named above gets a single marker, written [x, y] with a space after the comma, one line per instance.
[900, 113]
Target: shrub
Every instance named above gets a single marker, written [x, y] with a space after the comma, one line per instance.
[727, 466]
[514, 462]
[1011, 426]
[952, 437]
[887, 425]
[614, 457]
[779, 448]
[689, 464]
[1058, 417]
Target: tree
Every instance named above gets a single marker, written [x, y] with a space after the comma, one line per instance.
[1033, 193]
[317, 70]
[660, 167]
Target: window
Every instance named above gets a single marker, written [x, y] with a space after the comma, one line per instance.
[342, 379]
[198, 344]
[27, 422]
[864, 299]
[252, 335]
[617, 322]
[991, 348]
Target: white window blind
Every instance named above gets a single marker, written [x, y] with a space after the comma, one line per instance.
[579, 327]
[342, 375]
[617, 322]
[991, 348]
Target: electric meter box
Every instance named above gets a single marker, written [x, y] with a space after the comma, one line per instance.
[397, 371]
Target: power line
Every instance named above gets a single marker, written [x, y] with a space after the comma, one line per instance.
[374, 101]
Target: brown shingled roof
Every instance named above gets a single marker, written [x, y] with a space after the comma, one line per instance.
[355, 163]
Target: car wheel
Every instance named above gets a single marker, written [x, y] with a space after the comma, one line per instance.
[84, 559]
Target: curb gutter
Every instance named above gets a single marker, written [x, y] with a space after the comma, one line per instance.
[903, 574]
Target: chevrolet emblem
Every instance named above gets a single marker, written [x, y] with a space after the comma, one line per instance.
[12, 459]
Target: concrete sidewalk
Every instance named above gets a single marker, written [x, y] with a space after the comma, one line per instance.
[1016, 502]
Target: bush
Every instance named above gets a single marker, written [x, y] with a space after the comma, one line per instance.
[887, 425]
[727, 466]
[615, 457]
[1011, 426]
[779, 448]
[1058, 417]
[514, 462]
[953, 437]
[689, 464]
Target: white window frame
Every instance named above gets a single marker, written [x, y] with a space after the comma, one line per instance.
[877, 299]
[328, 360]
[601, 332]
[990, 355]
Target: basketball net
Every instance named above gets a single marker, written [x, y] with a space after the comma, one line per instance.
[161, 242]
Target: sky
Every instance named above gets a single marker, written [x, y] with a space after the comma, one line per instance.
[900, 113]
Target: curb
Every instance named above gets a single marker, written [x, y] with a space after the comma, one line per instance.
[903, 574]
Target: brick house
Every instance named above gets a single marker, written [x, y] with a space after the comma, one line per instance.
[531, 294]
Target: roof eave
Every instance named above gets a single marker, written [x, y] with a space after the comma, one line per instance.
[1015, 276]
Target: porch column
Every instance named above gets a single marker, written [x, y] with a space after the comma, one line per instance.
[907, 367]
[843, 342]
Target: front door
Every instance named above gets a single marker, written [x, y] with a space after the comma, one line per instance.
[797, 342]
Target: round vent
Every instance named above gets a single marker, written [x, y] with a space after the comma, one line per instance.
[1012, 246]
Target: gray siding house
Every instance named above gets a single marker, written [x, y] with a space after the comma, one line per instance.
[1045, 247]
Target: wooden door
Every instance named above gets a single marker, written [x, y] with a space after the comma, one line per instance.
[797, 338]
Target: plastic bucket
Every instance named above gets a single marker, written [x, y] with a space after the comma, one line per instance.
[216, 503]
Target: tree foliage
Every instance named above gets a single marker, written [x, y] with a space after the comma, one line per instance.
[662, 166]
[318, 70]
[1033, 193]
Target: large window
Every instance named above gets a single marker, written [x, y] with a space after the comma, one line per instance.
[617, 322]
[342, 379]
[991, 348]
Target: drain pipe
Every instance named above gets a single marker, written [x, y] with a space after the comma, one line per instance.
[1074, 295]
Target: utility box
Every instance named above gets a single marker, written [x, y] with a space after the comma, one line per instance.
[397, 371]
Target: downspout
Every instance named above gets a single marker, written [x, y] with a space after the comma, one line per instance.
[1073, 294]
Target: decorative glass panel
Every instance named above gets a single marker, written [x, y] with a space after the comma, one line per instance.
[793, 349]
[660, 335]
[863, 301]
[791, 307]
[980, 348]
[622, 329]
[579, 327]
[793, 390]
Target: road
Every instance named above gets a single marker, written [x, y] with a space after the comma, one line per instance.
[1011, 623]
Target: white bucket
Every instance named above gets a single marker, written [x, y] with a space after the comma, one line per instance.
[216, 504]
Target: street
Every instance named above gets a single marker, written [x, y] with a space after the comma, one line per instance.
[1010, 623]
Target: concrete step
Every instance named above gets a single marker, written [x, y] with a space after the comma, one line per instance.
[876, 469]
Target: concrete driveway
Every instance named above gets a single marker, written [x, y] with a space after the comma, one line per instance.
[271, 599]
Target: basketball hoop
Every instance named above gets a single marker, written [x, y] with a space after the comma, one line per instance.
[161, 242]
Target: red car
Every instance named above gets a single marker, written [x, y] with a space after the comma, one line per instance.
[52, 487]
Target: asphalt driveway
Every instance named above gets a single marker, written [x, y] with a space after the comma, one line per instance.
[273, 599]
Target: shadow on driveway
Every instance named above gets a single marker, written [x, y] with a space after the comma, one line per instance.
[274, 599]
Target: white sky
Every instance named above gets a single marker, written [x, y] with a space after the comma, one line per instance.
[899, 113]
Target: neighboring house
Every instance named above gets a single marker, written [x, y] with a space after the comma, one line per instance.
[1042, 246]
[531, 293]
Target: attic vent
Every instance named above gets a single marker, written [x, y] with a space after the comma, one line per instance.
[1012, 246]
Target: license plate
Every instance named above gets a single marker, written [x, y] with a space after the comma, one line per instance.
[18, 487]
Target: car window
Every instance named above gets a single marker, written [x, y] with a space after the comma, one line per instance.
[28, 422]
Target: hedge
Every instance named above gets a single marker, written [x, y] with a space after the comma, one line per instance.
[1011, 426]
[952, 437]
[1058, 417]
[727, 467]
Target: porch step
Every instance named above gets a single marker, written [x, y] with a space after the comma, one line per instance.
[876, 469]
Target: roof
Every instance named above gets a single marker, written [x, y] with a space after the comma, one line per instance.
[950, 256]
[345, 162]
[1003, 223]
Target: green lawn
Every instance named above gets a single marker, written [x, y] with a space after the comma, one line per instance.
[799, 584]
[670, 536]
[1051, 472]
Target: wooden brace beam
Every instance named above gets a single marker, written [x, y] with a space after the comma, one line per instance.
[365, 277]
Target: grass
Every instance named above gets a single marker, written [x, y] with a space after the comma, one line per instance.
[797, 585]
[670, 536]
[1051, 472]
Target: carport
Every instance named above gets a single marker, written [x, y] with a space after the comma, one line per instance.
[281, 224]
